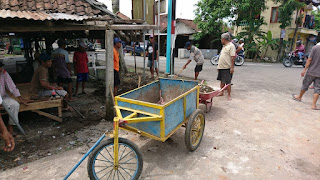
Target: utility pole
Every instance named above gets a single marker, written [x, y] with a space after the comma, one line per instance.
[169, 37]
[159, 33]
[109, 75]
[144, 41]
[173, 33]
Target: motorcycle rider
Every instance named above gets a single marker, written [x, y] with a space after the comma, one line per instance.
[300, 50]
[240, 49]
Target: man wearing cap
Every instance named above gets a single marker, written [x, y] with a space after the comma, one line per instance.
[40, 81]
[80, 62]
[116, 65]
[6, 83]
[196, 55]
[62, 66]
[153, 57]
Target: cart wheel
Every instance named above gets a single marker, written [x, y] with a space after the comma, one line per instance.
[194, 130]
[101, 164]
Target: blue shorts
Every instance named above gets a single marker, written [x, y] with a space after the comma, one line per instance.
[82, 77]
[155, 64]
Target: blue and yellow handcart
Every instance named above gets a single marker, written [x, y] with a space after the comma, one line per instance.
[157, 111]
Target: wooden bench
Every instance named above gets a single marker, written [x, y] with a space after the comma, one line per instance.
[39, 105]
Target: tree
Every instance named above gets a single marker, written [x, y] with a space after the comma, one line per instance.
[211, 14]
[209, 17]
[248, 14]
[286, 10]
[316, 14]
[267, 42]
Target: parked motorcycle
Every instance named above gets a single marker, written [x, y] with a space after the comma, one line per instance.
[238, 62]
[293, 59]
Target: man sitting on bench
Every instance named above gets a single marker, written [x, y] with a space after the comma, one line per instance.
[6, 82]
[40, 80]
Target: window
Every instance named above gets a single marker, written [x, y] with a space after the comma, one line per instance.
[274, 15]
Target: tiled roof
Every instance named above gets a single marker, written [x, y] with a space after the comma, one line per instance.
[189, 23]
[74, 7]
[163, 23]
[40, 16]
[122, 16]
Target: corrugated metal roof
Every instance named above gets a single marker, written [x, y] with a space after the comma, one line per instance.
[40, 16]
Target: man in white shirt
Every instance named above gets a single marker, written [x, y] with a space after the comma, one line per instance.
[226, 63]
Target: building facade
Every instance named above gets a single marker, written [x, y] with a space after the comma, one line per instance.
[305, 32]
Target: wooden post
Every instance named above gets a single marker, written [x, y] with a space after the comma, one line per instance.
[109, 74]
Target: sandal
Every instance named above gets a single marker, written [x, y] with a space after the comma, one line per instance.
[316, 108]
[294, 98]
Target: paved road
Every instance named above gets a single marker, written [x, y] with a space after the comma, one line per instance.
[261, 134]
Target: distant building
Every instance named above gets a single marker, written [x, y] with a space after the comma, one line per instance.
[305, 33]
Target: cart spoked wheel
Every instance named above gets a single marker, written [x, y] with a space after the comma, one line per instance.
[195, 130]
[101, 161]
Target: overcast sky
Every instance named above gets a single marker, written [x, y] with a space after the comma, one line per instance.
[185, 8]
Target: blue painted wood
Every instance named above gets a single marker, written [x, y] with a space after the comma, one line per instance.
[191, 101]
[170, 90]
[173, 116]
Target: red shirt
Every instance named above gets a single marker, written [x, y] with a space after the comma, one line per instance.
[81, 60]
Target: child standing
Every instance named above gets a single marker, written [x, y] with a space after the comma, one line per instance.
[80, 61]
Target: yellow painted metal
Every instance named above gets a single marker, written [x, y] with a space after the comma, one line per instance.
[134, 114]
[116, 142]
[142, 103]
[162, 124]
[197, 130]
[118, 112]
[143, 119]
[138, 112]
[181, 96]
[134, 130]
[198, 92]
[184, 107]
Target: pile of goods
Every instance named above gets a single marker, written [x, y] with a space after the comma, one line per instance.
[205, 89]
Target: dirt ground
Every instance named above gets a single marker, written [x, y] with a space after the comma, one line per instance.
[46, 137]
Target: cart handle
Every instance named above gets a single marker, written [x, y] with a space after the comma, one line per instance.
[225, 87]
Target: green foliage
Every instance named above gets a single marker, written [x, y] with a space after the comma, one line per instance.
[316, 14]
[286, 10]
[210, 15]
[266, 42]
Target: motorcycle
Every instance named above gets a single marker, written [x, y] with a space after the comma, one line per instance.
[238, 62]
[293, 59]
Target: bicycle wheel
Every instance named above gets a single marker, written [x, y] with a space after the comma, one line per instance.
[101, 164]
[194, 130]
